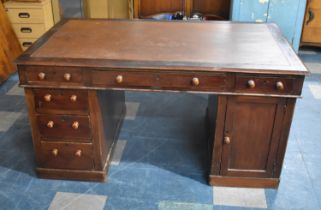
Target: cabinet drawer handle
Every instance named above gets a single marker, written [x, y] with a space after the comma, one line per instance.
[26, 44]
[119, 79]
[73, 98]
[50, 124]
[78, 153]
[195, 81]
[279, 85]
[55, 152]
[75, 125]
[227, 140]
[47, 97]
[67, 77]
[26, 30]
[251, 84]
[24, 15]
[41, 76]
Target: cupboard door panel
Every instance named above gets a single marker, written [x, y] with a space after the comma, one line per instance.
[148, 7]
[253, 130]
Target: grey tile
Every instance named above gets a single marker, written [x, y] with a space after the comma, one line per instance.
[315, 89]
[240, 197]
[16, 90]
[131, 110]
[170, 205]
[7, 119]
[76, 201]
[118, 153]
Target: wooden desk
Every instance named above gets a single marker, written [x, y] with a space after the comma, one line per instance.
[75, 76]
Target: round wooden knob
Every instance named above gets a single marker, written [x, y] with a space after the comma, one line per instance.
[251, 84]
[55, 152]
[78, 153]
[47, 97]
[67, 77]
[227, 140]
[73, 98]
[279, 85]
[41, 76]
[195, 81]
[75, 125]
[119, 79]
[50, 124]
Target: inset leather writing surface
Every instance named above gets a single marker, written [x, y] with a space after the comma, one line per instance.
[181, 44]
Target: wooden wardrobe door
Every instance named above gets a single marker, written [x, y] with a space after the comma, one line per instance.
[252, 131]
[145, 8]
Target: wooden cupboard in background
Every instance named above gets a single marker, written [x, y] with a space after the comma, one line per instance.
[118, 9]
[311, 34]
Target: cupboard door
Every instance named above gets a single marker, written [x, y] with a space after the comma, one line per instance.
[251, 135]
[145, 8]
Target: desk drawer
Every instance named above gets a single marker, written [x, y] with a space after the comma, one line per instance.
[171, 81]
[59, 127]
[61, 101]
[25, 15]
[268, 85]
[29, 30]
[54, 77]
[67, 155]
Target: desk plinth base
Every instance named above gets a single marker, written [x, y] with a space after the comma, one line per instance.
[243, 182]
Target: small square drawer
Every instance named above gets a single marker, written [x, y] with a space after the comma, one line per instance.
[264, 85]
[29, 30]
[61, 101]
[60, 127]
[25, 15]
[26, 42]
[54, 76]
[67, 156]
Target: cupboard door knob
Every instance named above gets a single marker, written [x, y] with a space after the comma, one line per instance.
[73, 98]
[279, 85]
[195, 81]
[119, 79]
[47, 97]
[67, 77]
[227, 140]
[55, 152]
[41, 76]
[50, 124]
[75, 125]
[78, 153]
[251, 84]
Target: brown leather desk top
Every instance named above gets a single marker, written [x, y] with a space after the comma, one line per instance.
[196, 46]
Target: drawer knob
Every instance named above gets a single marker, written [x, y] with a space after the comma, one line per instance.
[67, 77]
[41, 76]
[279, 85]
[119, 79]
[50, 124]
[75, 125]
[195, 81]
[251, 84]
[78, 153]
[73, 98]
[227, 140]
[47, 97]
[55, 152]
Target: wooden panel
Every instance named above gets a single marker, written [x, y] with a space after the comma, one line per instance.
[218, 7]
[25, 15]
[63, 156]
[29, 30]
[62, 127]
[253, 125]
[61, 101]
[148, 7]
[312, 25]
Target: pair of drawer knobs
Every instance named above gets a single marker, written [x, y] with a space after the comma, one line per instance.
[195, 80]
[279, 85]
[74, 125]
[42, 76]
[48, 98]
[55, 152]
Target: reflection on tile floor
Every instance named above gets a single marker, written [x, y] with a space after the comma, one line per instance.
[160, 161]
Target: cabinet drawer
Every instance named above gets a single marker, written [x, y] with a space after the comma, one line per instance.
[61, 101]
[66, 155]
[25, 15]
[53, 76]
[59, 127]
[26, 42]
[29, 30]
[171, 81]
[268, 85]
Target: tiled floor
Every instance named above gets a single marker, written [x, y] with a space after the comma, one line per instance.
[160, 161]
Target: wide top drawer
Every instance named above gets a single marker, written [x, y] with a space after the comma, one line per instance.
[25, 15]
